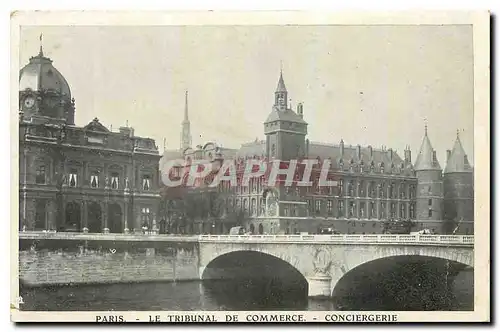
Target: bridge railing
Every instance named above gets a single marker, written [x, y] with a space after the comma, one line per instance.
[349, 238]
[337, 238]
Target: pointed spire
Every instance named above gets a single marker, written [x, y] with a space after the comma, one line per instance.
[426, 159]
[457, 161]
[186, 116]
[41, 46]
[281, 83]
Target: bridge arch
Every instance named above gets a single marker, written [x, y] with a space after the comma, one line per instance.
[254, 275]
[402, 282]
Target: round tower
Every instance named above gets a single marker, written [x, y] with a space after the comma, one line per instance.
[458, 183]
[429, 210]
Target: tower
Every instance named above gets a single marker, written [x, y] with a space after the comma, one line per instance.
[186, 127]
[429, 209]
[458, 181]
[285, 130]
[44, 93]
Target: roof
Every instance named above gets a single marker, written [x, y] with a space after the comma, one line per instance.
[458, 161]
[287, 115]
[281, 84]
[39, 74]
[425, 159]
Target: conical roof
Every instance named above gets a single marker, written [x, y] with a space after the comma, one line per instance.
[281, 84]
[425, 158]
[458, 162]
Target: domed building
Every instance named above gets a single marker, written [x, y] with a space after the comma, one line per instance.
[79, 179]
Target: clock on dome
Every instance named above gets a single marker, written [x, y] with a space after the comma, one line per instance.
[29, 102]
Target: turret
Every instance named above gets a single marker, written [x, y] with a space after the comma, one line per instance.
[429, 209]
[458, 183]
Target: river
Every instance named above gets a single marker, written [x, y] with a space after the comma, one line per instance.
[212, 296]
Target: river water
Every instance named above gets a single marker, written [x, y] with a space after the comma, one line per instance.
[212, 296]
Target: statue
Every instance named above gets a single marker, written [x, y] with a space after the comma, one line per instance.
[126, 183]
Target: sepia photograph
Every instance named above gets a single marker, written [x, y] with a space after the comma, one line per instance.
[279, 170]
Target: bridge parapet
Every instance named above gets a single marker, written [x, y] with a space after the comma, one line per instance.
[395, 239]
[440, 240]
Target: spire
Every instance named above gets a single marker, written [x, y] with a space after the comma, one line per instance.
[281, 83]
[426, 159]
[458, 161]
[41, 46]
[186, 130]
[186, 117]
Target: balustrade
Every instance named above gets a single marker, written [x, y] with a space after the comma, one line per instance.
[311, 238]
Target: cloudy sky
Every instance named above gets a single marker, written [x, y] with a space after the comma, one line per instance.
[366, 84]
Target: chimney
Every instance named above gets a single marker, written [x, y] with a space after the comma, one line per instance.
[341, 147]
[390, 154]
[434, 158]
[127, 131]
[448, 154]
[307, 147]
[300, 110]
[408, 154]
[370, 151]
[358, 151]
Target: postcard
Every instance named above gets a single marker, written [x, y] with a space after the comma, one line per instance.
[255, 167]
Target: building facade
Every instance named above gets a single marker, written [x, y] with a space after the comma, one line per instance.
[73, 178]
[374, 186]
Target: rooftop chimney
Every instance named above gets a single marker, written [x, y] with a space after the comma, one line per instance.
[448, 154]
[300, 110]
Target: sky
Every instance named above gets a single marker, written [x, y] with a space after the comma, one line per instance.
[368, 85]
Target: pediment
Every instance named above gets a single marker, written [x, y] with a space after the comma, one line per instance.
[96, 126]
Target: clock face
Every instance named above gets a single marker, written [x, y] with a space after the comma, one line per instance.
[29, 102]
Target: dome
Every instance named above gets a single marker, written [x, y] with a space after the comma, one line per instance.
[39, 75]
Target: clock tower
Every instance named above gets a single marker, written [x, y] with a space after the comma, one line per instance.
[44, 93]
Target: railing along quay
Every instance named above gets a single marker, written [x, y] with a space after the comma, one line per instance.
[310, 238]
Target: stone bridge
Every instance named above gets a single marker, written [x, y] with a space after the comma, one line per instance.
[322, 261]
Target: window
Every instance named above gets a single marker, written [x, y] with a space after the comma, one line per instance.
[372, 211]
[402, 193]
[362, 210]
[40, 175]
[402, 212]
[145, 217]
[273, 150]
[381, 190]
[392, 191]
[412, 211]
[382, 167]
[361, 188]
[146, 182]
[245, 205]
[341, 187]
[430, 201]
[350, 188]
[352, 206]
[309, 206]
[329, 207]
[382, 211]
[393, 210]
[285, 211]
[341, 208]
[94, 180]
[253, 208]
[317, 205]
[412, 191]
[430, 213]
[371, 189]
[73, 178]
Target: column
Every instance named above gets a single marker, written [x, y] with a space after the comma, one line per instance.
[125, 218]
[104, 209]
[50, 221]
[62, 215]
[84, 216]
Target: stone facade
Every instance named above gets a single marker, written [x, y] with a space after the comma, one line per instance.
[374, 185]
[75, 178]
